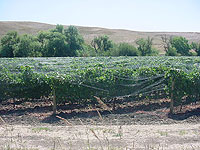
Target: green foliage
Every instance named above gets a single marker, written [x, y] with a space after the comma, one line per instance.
[59, 28]
[60, 42]
[87, 51]
[154, 52]
[53, 44]
[181, 45]
[181, 82]
[74, 40]
[101, 44]
[78, 80]
[125, 49]
[27, 46]
[26, 84]
[145, 47]
[8, 43]
[42, 37]
[56, 46]
[196, 47]
[171, 52]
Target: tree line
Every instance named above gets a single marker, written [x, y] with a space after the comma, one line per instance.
[61, 42]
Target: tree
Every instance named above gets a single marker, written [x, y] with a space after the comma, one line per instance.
[59, 28]
[196, 47]
[87, 51]
[74, 40]
[43, 37]
[171, 51]
[101, 44]
[125, 49]
[166, 42]
[53, 44]
[56, 46]
[145, 47]
[8, 43]
[181, 45]
[27, 46]
[96, 44]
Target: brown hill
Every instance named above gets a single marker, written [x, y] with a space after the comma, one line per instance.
[117, 35]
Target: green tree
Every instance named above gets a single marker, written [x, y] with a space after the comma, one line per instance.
[125, 49]
[43, 37]
[196, 47]
[59, 28]
[171, 51]
[56, 46]
[27, 46]
[8, 43]
[102, 44]
[53, 44]
[181, 45]
[87, 51]
[145, 47]
[74, 39]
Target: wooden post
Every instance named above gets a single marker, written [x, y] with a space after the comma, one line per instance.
[114, 103]
[172, 98]
[54, 102]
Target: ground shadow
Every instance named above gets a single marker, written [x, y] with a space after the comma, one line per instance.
[70, 111]
[52, 119]
[98, 112]
[182, 116]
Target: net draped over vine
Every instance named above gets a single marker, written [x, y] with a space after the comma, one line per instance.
[78, 80]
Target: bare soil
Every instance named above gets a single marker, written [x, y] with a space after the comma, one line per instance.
[82, 137]
[146, 112]
[137, 125]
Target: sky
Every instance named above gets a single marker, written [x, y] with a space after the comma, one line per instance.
[137, 15]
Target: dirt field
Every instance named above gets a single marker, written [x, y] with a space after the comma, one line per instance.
[82, 137]
[31, 126]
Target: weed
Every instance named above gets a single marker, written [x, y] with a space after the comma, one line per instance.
[39, 129]
[163, 133]
[182, 132]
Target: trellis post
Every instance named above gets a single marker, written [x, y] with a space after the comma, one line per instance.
[172, 98]
[54, 102]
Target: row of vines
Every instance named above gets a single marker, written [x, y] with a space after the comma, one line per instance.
[32, 79]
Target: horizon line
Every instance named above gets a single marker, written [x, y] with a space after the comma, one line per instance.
[126, 29]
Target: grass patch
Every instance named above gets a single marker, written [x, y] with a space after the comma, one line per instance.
[39, 129]
[182, 132]
[163, 133]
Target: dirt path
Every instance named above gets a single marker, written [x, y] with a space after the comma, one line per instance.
[132, 137]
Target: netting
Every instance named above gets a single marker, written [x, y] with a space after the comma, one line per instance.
[64, 65]
[77, 79]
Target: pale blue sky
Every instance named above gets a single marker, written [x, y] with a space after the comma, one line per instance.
[138, 15]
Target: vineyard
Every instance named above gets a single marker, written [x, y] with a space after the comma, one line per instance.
[112, 79]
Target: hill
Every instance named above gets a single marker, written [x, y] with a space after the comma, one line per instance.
[117, 35]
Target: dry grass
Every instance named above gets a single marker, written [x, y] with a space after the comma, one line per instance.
[85, 137]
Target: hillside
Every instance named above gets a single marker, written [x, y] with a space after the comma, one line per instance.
[117, 35]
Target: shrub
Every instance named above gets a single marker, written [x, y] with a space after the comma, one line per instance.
[125, 49]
